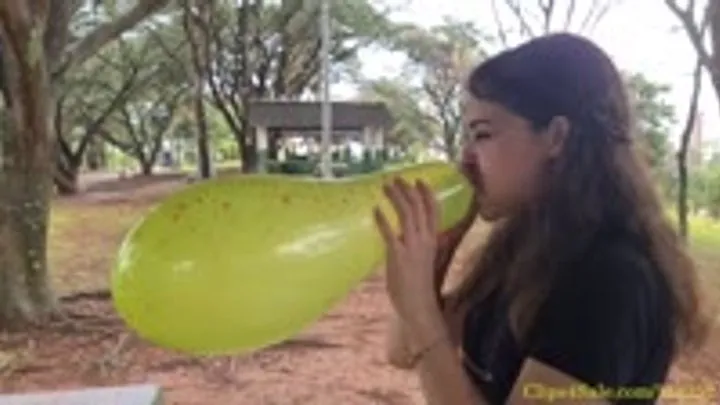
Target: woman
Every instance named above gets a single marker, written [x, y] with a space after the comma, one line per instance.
[582, 282]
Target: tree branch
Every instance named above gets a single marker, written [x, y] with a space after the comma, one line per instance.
[694, 31]
[106, 32]
[595, 14]
[122, 146]
[569, 14]
[57, 32]
[547, 7]
[95, 125]
[525, 26]
[502, 35]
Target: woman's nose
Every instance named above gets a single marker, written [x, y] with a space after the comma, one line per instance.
[467, 161]
[467, 155]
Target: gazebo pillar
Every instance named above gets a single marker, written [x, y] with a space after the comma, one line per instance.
[368, 147]
[261, 141]
[379, 146]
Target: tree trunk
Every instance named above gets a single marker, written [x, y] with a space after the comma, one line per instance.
[202, 139]
[146, 167]
[708, 59]
[67, 172]
[25, 180]
[25, 294]
[66, 180]
[246, 139]
[451, 150]
[95, 158]
[28, 145]
[195, 13]
[248, 151]
[682, 203]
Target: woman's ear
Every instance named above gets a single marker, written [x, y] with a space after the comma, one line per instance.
[556, 133]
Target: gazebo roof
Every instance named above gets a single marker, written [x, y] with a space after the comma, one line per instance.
[306, 115]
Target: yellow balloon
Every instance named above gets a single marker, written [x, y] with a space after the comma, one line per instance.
[232, 265]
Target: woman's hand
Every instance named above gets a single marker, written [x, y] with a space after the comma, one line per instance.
[448, 242]
[411, 256]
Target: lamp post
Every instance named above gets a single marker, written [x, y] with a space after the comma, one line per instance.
[326, 106]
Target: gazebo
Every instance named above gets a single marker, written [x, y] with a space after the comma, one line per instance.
[364, 122]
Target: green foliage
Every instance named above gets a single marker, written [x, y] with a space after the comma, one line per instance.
[157, 101]
[654, 116]
[285, 44]
[705, 230]
[221, 135]
[705, 189]
[412, 123]
[426, 99]
[271, 50]
[149, 68]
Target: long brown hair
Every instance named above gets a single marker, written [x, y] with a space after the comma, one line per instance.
[599, 182]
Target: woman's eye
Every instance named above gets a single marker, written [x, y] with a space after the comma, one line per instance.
[480, 135]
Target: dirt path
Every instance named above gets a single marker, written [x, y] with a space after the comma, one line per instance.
[337, 361]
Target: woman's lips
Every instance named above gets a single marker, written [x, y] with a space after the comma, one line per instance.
[472, 174]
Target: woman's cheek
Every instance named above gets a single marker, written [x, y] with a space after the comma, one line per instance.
[497, 177]
[485, 167]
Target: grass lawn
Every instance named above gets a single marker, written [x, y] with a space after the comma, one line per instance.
[705, 247]
[83, 240]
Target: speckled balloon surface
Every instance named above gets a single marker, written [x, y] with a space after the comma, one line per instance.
[232, 265]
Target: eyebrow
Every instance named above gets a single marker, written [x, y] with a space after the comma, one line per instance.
[478, 121]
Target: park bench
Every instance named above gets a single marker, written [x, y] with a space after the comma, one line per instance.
[126, 395]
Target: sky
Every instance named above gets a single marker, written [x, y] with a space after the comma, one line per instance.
[640, 35]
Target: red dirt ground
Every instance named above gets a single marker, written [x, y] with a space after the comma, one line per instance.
[339, 360]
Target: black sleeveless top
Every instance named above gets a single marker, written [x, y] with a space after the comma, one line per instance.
[606, 322]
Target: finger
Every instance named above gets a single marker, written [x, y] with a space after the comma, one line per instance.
[391, 243]
[430, 207]
[385, 231]
[401, 206]
[414, 203]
